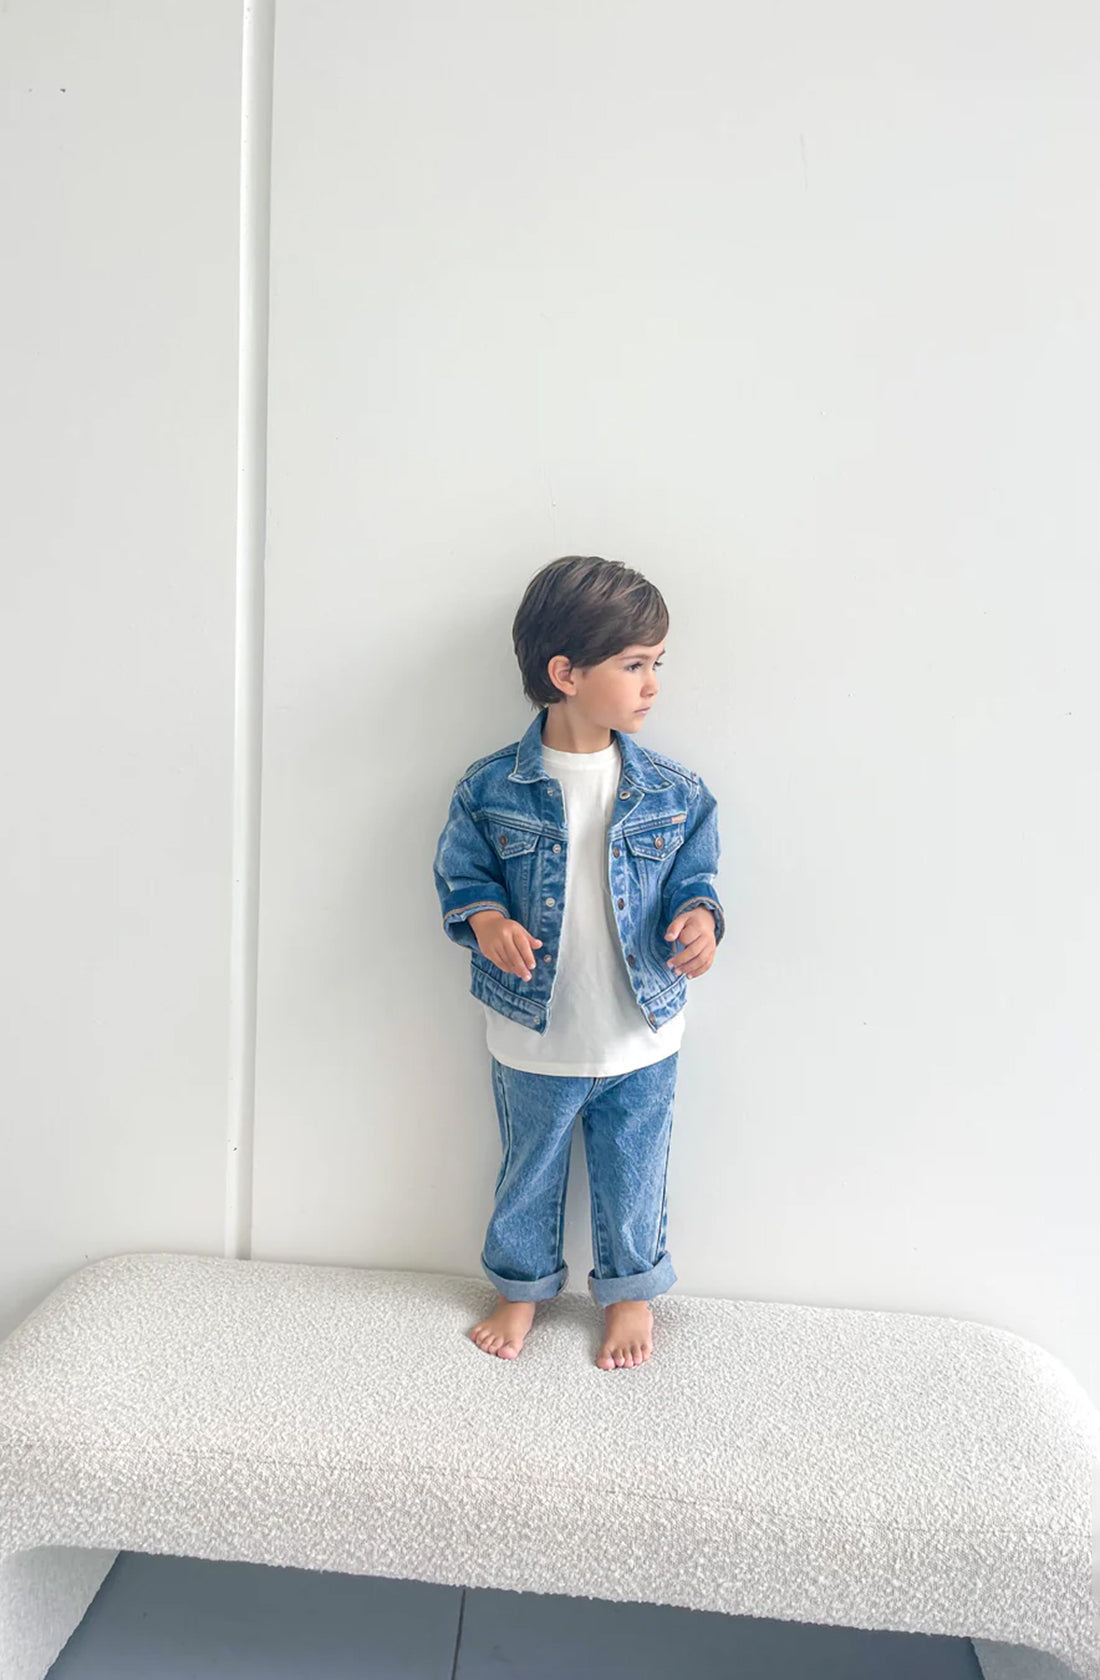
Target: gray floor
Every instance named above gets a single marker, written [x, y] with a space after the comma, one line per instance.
[167, 1618]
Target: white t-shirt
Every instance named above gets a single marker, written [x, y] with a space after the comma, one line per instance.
[596, 1023]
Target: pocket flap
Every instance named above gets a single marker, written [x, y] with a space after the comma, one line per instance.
[657, 842]
[508, 838]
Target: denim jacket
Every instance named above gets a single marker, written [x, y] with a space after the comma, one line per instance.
[505, 846]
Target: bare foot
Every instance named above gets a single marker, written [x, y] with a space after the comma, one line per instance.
[629, 1335]
[503, 1331]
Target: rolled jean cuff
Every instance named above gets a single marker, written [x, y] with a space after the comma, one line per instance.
[639, 1286]
[522, 1289]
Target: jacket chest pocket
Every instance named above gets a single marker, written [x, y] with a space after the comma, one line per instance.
[650, 846]
[510, 841]
[518, 851]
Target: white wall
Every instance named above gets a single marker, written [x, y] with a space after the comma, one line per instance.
[795, 309]
[119, 135]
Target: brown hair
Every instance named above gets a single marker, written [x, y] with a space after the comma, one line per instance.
[587, 609]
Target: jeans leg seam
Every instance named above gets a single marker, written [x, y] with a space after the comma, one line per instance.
[565, 1180]
[663, 1222]
[559, 1251]
[507, 1133]
[600, 1240]
[662, 1234]
[598, 1246]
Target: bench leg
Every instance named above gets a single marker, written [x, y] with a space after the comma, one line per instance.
[43, 1596]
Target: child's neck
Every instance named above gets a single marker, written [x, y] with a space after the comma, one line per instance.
[566, 733]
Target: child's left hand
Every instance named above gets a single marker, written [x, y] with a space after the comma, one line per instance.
[695, 931]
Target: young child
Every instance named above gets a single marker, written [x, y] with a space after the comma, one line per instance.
[572, 863]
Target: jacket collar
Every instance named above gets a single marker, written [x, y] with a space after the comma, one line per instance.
[639, 770]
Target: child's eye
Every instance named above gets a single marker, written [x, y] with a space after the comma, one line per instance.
[637, 665]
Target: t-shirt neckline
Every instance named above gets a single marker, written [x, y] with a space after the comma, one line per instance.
[581, 761]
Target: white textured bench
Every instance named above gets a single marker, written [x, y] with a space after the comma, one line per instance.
[865, 1469]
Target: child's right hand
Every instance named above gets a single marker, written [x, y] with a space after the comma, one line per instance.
[505, 943]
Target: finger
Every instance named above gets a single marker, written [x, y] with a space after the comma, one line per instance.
[523, 963]
[524, 942]
[695, 949]
[504, 955]
[690, 963]
[687, 928]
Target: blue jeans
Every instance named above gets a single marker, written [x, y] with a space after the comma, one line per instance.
[627, 1120]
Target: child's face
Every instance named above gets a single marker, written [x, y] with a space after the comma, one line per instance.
[618, 692]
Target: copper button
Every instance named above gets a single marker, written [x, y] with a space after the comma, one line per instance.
[622, 901]
[616, 851]
[630, 960]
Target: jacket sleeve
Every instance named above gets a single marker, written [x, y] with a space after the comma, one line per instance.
[468, 876]
[693, 876]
